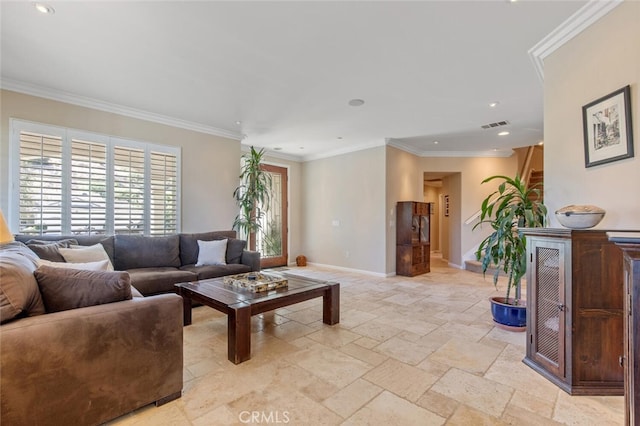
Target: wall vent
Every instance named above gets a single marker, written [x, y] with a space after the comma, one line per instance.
[496, 124]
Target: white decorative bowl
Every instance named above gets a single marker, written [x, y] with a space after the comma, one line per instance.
[580, 216]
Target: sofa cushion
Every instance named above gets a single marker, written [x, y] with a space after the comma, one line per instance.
[48, 250]
[19, 294]
[135, 251]
[189, 244]
[212, 252]
[84, 254]
[64, 289]
[151, 281]
[215, 271]
[235, 248]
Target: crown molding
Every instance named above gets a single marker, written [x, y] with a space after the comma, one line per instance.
[56, 95]
[574, 25]
[245, 148]
[464, 154]
[346, 150]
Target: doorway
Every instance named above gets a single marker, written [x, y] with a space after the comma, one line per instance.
[271, 239]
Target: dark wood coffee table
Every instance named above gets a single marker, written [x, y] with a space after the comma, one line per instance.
[240, 305]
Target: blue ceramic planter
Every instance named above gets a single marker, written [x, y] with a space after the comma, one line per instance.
[510, 316]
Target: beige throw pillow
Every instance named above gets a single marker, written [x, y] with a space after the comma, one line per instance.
[83, 254]
[100, 265]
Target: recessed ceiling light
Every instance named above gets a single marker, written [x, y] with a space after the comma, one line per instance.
[44, 8]
[435, 142]
[277, 148]
[356, 102]
[238, 122]
[494, 104]
[541, 143]
[503, 133]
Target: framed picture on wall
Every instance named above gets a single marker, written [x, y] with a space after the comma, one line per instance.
[446, 205]
[607, 128]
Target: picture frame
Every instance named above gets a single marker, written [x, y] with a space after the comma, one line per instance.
[446, 205]
[607, 128]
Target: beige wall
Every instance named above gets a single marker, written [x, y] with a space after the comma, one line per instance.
[343, 210]
[405, 183]
[210, 164]
[603, 58]
[465, 197]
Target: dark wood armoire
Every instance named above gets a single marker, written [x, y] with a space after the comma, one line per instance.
[412, 238]
[629, 244]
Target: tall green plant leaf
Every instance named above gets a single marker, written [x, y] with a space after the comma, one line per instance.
[252, 195]
[505, 247]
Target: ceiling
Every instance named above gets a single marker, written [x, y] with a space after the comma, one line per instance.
[279, 75]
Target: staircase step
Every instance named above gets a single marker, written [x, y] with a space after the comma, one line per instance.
[476, 266]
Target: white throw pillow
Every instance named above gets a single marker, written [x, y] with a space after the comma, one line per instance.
[212, 252]
[82, 254]
[100, 265]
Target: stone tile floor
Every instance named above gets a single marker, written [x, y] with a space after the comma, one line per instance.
[407, 351]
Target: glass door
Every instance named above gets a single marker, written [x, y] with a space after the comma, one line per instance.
[271, 240]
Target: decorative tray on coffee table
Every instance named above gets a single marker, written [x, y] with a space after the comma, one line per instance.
[256, 282]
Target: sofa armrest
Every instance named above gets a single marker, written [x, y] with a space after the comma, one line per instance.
[90, 365]
[251, 259]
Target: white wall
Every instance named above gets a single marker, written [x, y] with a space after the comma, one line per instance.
[210, 164]
[343, 210]
[600, 60]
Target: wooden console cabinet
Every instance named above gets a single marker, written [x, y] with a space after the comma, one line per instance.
[413, 250]
[575, 310]
[629, 243]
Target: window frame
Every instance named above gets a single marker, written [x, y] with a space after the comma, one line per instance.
[16, 126]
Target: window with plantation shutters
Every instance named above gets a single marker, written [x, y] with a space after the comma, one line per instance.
[40, 183]
[129, 190]
[72, 182]
[163, 194]
[88, 187]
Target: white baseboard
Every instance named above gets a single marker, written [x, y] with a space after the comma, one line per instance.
[357, 271]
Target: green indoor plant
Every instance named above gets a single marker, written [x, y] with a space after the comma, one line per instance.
[252, 195]
[513, 205]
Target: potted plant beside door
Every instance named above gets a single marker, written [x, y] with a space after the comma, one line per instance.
[252, 195]
[513, 205]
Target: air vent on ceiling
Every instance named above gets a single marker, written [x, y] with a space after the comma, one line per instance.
[497, 124]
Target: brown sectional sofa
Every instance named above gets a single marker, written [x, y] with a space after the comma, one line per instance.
[82, 366]
[88, 365]
[155, 264]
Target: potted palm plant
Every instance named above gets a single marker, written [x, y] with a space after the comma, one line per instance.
[510, 207]
[252, 195]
